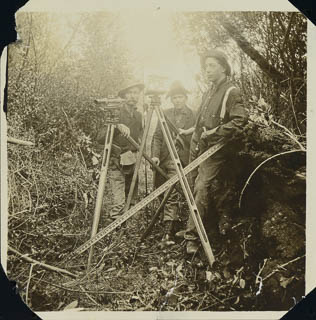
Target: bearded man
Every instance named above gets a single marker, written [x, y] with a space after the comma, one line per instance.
[123, 154]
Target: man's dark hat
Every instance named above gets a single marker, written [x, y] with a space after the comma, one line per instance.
[219, 56]
[176, 88]
[131, 85]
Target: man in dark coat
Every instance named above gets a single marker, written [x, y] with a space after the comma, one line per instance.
[182, 118]
[123, 154]
[220, 116]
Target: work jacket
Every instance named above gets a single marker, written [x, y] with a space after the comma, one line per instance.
[184, 119]
[209, 113]
[133, 120]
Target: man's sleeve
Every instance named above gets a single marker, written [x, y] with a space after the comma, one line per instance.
[237, 114]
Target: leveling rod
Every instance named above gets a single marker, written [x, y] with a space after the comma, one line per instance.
[185, 187]
[145, 201]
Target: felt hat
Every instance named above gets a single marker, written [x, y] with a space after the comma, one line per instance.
[219, 56]
[131, 85]
[176, 88]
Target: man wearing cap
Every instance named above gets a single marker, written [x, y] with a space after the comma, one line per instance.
[221, 115]
[182, 117]
[123, 154]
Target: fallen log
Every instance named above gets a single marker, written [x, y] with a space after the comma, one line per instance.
[21, 142]
[44, 265]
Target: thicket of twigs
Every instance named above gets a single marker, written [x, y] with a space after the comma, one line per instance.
[53, 185]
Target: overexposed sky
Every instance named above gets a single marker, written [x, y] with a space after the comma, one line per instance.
[150, 36]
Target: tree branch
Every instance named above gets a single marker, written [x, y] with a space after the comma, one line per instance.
[289, 134]
[21, 142]
[287, 33]
[44, 265]
[75, 30]
[245, 46]
[259, 166]
[280, 23]
[281, 267]
[100, 291]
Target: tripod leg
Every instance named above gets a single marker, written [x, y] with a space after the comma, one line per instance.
[185, 186]
[138, 161]
[152, 196]
[102, 183]
[148, 158]
[146, 179]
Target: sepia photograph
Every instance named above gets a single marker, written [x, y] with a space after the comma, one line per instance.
[156, 160]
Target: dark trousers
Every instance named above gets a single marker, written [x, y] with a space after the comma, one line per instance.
[171, 206]
[205, 187]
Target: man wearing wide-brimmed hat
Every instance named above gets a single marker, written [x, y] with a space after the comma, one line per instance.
[123, 154]
[182, 117]
[221, 115]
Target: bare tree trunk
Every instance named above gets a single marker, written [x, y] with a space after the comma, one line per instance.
[245, 46]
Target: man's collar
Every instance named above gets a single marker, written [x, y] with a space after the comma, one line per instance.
[220, 83]
[214, 87]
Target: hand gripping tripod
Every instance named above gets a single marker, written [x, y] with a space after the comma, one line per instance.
[167, 185]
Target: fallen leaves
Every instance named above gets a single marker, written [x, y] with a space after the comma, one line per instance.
[284, 282]
[71, 305]
[242, 283]
[178, 270]
[210, 276]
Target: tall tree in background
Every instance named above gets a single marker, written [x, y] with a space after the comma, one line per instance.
[269, 47]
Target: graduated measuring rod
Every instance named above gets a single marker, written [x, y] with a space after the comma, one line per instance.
[183, 180]
[169, 183]
[110, 107]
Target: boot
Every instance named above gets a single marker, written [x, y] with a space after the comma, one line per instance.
[181, 233]
[168, 228]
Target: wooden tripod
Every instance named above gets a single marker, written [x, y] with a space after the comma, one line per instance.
[155, 98]
[111, 119]
[180, 173]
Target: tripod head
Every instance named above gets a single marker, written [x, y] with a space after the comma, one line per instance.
[111, 108]
[155, 96]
